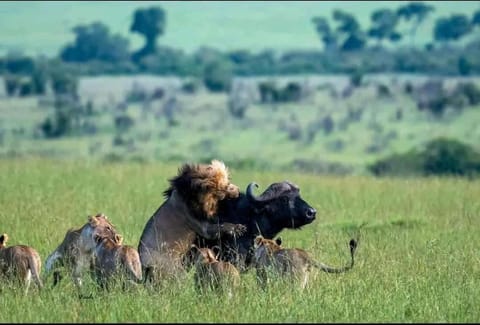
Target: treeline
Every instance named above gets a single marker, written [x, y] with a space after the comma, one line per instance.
[347, 48]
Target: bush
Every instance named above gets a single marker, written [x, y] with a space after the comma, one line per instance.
[356, 78]
[450, 157]
[190, 86]
[64, 83]
[59, 125]
[440, 156]
[217, 76]
[470, 91]
[23, 85]
[123, 123]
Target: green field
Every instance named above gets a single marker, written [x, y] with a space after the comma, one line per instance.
[418, 258]
[268, 137]
[45, 26]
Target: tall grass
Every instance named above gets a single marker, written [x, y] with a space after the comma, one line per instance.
[418, 259]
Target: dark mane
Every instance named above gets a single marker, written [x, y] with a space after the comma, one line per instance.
[198, 185]
[183, 181]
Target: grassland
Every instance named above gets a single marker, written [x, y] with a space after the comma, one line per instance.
[265, 138]
[45, 26]
[418, 259]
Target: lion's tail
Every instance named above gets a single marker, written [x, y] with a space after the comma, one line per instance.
[330, 269]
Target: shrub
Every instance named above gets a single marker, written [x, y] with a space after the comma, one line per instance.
[123, 122]
[450, 157]
[440, 156]
[356, 78]
[217, 76]
[470, 91]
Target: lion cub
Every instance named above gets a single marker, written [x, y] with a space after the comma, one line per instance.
[20, 262]
[210, 273]
[292, 262]
[113, 259]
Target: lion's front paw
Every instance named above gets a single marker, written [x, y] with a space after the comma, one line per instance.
[240, 229]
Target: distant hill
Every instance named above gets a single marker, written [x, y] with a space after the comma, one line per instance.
[45, 26]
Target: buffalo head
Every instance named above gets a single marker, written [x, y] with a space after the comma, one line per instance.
[283, 204]
[279, 207]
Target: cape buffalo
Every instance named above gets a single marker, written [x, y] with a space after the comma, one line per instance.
[279, 207]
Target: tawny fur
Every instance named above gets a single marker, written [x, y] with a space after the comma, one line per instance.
[295, 263]
[189, 210]
[20, 262]
[76, 252]
[116, 262]
[211, 273]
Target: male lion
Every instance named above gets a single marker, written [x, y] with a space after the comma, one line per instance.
[271, 258]
[115, 261]
[20, 262]
[189, 210]
[210, 273]
[76, 252]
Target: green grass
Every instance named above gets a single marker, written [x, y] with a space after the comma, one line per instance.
[418, 258]
[45, 26]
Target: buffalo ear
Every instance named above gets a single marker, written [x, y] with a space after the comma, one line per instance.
[278, 241]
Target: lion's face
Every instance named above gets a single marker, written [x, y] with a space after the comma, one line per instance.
[265, 247]
[98, 226]
[217, 187]
[221, 181]
[204, 256]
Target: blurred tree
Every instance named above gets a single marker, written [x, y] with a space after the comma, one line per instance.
[349, 30]
[348, 23]
[354, 42]
[150, 22]
[348, 35]
[476, 18]
[384, 25]
[417, 12]
[94, 42]
[327, 36]
[452, 28]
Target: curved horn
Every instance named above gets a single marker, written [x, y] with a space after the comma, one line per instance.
[250, 194]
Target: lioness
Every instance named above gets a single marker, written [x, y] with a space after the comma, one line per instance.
[76, 252]
[210, 273]
[113, 259]
[292, 262]
[20, 262]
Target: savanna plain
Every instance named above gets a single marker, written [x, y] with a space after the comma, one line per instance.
[417, 261]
